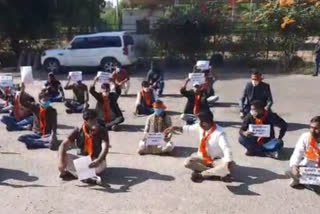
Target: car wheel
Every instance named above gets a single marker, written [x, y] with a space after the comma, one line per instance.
[52, 65]
[107, 64]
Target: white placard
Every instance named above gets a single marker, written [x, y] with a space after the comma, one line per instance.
[6, 81]
[260, 130]
[82, 168]
[104, 77]
[203, 65]
[309, 175]
[155, 139]
[26, 74]
[75, 76]
[197, 78]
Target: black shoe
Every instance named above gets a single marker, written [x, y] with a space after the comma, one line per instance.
[9, 128]
[67, 176]
[69, 111]
[314, 75]
[196, 177]
[250, 154]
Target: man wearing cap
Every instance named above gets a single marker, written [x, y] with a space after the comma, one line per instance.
[44, 123]
[255, 90]
[214, 157]
[197, 101]
[158, 122]
[80, 97]
[120, 78]
[90, 139]
[306, 152]
[109, 113]
[257, 145]
[54, 88]
[145, 99]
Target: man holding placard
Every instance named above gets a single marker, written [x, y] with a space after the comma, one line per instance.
[120, 77]
[155, 141]
[257, 132]
[145, 99]
[197, 101]
[305, 160]
[214, 157]
[54, 88]
[90, 140]
[108, 110]
[79, 103]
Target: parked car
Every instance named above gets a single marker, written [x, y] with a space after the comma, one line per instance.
[99, 50]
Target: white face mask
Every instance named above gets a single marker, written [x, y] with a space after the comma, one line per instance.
[254, 113]
[255, 82]
[117, 70]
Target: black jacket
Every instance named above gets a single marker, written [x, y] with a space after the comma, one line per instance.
[190, 95]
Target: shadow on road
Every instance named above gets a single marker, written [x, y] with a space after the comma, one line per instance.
[183, 152]
[125, 178]
[131, 128]
[233, 124]
[173, 113]
[250, 176]
[63, 126]
[225, 105]
[285, 153]
[12, 174]
[297, 126]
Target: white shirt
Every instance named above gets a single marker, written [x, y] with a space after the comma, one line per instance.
[217, 145]
[298, 157]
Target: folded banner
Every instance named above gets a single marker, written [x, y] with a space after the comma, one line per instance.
[26, 74]
[75, 76]
[155, 139]
[6, 80]
[104, 77]
[260, 130]
[310, 175]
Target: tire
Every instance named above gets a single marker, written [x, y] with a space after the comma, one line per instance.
[52, 65]
[106, 64]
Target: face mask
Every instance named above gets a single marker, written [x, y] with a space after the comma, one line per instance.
[254, 113]
[255, 82]
[45, 104]
[145, 89]
[158, 111]
[117, 70]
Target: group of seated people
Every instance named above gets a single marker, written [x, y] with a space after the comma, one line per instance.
[214, 152]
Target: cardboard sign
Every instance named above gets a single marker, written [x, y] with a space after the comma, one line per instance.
[75, 76]
[26, 74]
[260, 130]
[309, 175]
[6, 81]
[155, 139]
[203, 65]
[82, 167]
[197, 78]
[104, 77]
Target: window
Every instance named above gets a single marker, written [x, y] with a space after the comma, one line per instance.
[128, 40]
[143, 26]
[95, 42]
[111, 42]
[80, 43]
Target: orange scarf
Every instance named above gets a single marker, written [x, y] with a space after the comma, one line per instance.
[147, 97]
[197, 103]
[17, 108]
[313, 152]
[106, 109]
[43, 120]
[203, 145]
[88, 141]
[261, 122]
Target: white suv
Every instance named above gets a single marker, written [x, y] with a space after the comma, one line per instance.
[92, 50]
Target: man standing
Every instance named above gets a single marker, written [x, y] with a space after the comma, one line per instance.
[317, 60]
[255, 90]
[158, 122]
[90, 139]
[155, 78]
[306, 152]
[80, 97]
[54, 88]
[262, 146]
[214, 153]
[145, 99]
[109, 113]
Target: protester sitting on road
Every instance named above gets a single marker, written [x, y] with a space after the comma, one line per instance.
[262, 146]
[79, 103]
[54, 88]
[214, 153]
[157, 123]
[90, 139]
[20, 118]
[7, 96]
[145, 100]
[121, 80]
[44, 123]
[155, 78]
[197, 102]
[255, 90]
[109, 113]
[306, 152]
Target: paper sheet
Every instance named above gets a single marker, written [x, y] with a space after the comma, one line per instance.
[104, 77]
[26, 74]
[203, 65]
[197, 78]
[155, 139]
[6, 80]
[75, 76]
[310, 175]
[260, 130]
[82, 168]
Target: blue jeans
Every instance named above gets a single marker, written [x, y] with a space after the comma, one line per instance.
[142, 109]
[253, 147]
[316, 67]
[13, 125]
[35, 141]
[55, 99]
[76, 107]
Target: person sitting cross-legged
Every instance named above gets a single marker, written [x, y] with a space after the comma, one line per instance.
[90, 139]
[54, 88]
[214, 153]
[44, 123]
[145, 99]
[262, 146]
[158, 122]
[79, 103]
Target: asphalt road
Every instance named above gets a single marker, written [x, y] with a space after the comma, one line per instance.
[29, 180]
